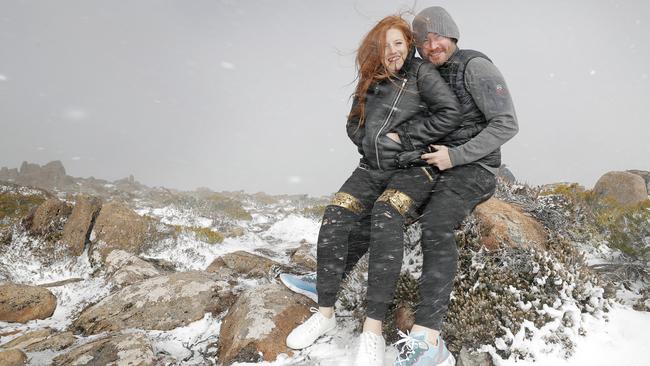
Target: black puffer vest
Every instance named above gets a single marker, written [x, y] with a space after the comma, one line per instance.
[473, 120]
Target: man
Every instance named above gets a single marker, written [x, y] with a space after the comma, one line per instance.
[468, 159]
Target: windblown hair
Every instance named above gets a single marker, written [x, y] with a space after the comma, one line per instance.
[369, 59]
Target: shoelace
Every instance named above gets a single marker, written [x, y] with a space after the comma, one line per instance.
[370, 347]
[314, 321]
[408, 348]
[310, 278]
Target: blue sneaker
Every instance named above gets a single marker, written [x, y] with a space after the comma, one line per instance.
[305, 285]
[417, 351]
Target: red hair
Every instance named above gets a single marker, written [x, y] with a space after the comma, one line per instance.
[369, 59]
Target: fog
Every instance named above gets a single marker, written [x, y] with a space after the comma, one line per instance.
[253, 95]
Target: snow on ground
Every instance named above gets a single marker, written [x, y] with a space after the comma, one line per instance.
[294, 228]
[619, 337]
[171, 215]
[338, 348]
[616, 337]
[189, 342]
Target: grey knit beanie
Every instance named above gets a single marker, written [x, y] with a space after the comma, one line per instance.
[434, 20]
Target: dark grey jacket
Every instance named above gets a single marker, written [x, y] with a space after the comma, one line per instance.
[417, 96]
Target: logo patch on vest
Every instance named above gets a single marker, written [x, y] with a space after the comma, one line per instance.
[501, 90]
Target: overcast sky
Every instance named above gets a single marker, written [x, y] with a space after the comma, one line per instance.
[253, 95]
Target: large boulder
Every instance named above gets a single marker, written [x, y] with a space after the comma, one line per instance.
[259, 322]
[12, 357]
[162, 303]
[119, 227]
[123, 269]
[22, 303]
[624, 188]
[41, 340]
[504, 224]
[48, 218]
[643, 174]
[77, 229]
[116, 349]
[243, 263]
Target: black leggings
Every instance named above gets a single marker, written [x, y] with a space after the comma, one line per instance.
[388, 197]
[457, 192]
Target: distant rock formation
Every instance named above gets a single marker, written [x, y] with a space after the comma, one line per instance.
[49, 176]
[622, 187]
[52, 177]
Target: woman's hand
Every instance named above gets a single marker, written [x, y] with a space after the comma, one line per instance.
[394, 136]
[440, 158]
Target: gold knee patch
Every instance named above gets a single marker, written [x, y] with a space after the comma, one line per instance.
[347, 201]
[399, 200]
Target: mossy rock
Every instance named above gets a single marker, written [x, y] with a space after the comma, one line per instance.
[232, 208]
[207, 235]
[201, 233]
[623, 226]
[265, 199]
[14, 206]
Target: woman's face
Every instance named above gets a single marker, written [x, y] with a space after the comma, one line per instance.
[396, 50]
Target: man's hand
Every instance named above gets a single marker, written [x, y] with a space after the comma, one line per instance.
[394, 136]
[440, 158]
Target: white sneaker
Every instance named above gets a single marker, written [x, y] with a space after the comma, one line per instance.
[371, 350]
[306, 333]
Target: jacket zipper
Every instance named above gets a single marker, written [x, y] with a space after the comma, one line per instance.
[392, 108]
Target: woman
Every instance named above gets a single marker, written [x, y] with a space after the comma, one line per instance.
[400, 106]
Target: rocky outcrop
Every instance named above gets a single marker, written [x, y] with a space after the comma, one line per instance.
[624, 188]
[259, 322]
[41, 340]
[48, 218]
[77, 229]
[116, 349]
[162, 303]
[7, 174]
[22, 303]
[124, 269]
[473, 358]
[119, 227]
[504, 224]
[243, 263]
[504, 173]
[50, 176]
[303, 258]
[12, 357]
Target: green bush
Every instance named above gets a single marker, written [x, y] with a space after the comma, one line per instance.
[15, 206]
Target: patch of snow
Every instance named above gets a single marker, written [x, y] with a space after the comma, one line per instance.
[188, 343]
[618, 337]
[294, 228]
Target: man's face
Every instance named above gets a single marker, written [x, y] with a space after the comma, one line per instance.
[437, 49]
